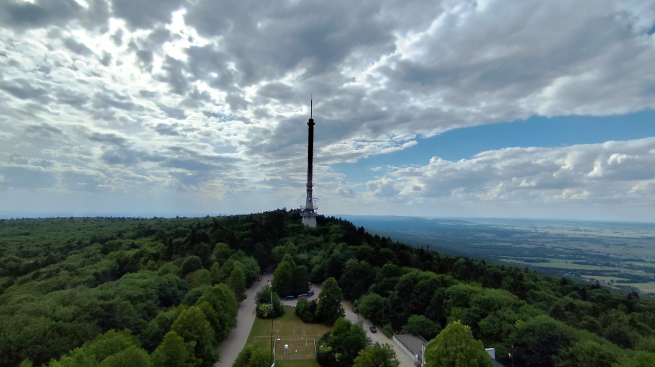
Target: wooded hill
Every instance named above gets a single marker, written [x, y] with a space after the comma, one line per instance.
[68, 281]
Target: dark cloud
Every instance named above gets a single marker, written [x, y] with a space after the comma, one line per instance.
[267, 40]
[172, 112]
[44, 130]
[166, 129]
[236, 102]
[173, 75]
[18, 159]
[26, 178]
[280, 91]
[22, 14]
[106, 58]
[144, 14]
[118, 37]
[22, 89]
[145, 56]
[107, 99]
[205, 61]
[111, 139]
[72, 98]
[148, 94]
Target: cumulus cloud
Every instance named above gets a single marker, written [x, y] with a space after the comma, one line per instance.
[621, 170]
[382, 188]
[122, 85]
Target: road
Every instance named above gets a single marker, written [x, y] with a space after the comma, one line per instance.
[315, 287]
[379, 337]
[231, 347]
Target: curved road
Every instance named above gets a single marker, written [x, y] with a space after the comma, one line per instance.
[379, 337]
[231, 347]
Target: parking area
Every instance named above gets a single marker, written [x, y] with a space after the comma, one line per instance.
[314, 287]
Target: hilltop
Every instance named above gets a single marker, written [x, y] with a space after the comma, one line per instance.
[65, 282]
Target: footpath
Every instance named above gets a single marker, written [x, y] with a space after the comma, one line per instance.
[233, 345]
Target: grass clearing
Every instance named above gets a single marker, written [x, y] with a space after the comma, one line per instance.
[287, 326]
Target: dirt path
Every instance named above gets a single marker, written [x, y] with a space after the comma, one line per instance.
[231, 347]
[379, 337]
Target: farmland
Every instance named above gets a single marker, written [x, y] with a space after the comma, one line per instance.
[617, 255]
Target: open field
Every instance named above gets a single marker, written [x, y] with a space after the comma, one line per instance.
[289, 328]
[602, 250]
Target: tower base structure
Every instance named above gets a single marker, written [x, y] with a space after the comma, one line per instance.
[309, 221]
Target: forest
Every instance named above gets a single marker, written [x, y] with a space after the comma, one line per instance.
[165, 292]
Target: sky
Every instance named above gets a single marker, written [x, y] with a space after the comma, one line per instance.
[530, 109]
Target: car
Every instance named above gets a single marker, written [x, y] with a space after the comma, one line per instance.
[311, 293]
[355, 310]
[302, 296]
[373, 329]
[289, 298]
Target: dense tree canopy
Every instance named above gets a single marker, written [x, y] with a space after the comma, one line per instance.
[340, 347]
[66, 281]
[329, 302]
[378, 355]
[456, 347]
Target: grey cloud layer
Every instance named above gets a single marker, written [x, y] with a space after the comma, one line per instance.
[186, 95]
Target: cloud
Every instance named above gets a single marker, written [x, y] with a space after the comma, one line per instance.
[144, 14]
[22, 14]
[77, 47]
[172, 112]
[383, 188]
[593, 172]
[22, 89]
[230, 82]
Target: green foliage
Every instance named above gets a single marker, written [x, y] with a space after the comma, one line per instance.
[421, 325]
[65, 281]
[280, 251]
[340, 347]
[306, 310]
[223, 309]
[131, 357]
[374, 307]
[222, 253]
[283, 279]
[192, 326]
[252, 357]
[174, 352]
[637, 359]
[456, 347]
[191, 264]
[26, 363]
[538, 341]
[357, 278]
[198, 278]
[377, 356]
[264, 308]
[237, 282]
[215, 273]
[329, 302]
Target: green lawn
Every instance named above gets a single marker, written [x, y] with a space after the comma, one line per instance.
[289, 325]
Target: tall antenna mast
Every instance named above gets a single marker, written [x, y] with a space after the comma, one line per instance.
[308, 211]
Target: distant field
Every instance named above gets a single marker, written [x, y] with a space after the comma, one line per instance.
[561, 263]
[604, 247]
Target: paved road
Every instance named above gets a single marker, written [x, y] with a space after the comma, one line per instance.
[379, 337]
[315, 287]
[231, 347]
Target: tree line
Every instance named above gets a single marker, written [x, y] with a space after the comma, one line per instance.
[66, 282]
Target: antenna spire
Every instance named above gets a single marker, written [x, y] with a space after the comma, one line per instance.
[311, 105]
